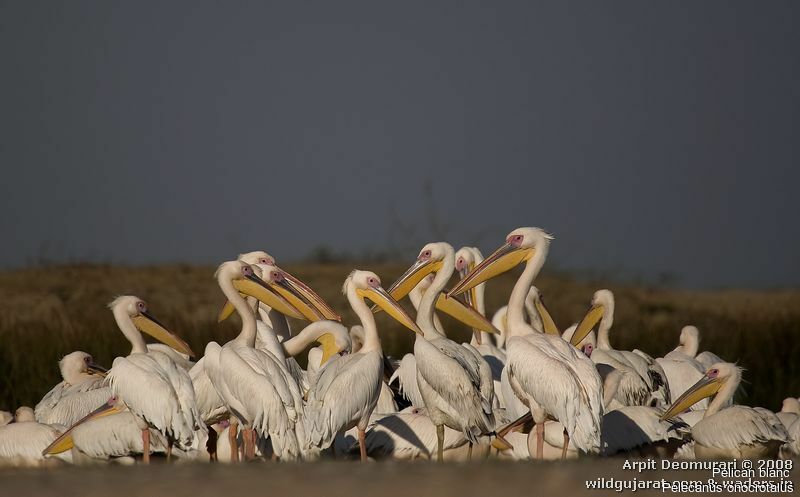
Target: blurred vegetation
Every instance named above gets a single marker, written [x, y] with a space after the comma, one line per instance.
[47, 312]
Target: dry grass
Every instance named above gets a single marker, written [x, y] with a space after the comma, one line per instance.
[48, 312]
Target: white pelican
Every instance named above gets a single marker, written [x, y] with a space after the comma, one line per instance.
[255, 385]
[643, 378]
[455, 381]
[547, 374]
[83, 389]
[23, 440]
[154, 389]
[681, 369]
[406, 375]
[688, 343]
[347, 389]
[736, 432]
[118, 437]
[466, 260]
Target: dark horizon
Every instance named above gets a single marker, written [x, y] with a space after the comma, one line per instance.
[650, 139]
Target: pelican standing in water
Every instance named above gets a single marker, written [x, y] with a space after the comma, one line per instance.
[455, 381]
[346, 390]
[736, 432]
[154, 389]
[546, 373]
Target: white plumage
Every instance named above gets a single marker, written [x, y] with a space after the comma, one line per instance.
[79, 393]
[22, 441]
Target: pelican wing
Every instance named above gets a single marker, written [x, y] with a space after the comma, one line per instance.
[629, 427]
[66, 404]
[344, 393]
[209, 404]
[406, 376]
[739, 425]
[259, 398]
[153, 393]
[542, 374]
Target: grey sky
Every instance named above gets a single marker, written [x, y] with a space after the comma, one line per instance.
[649, 138]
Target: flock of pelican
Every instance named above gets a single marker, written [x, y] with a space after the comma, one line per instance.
[520, 389]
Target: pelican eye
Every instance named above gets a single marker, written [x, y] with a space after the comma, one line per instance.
[247, 271]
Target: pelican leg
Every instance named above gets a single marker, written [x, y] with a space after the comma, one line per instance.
[469, 452]
[440, 443]
[146, 446]
[169, 449]
[233, 430]
[540, 441]
[211, 444]
[566, 444]
[249, 438]
[362, 444]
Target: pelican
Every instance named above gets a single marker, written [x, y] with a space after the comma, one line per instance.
[292, 299]
[347, 389]
[23, 440]
[681, 368]
[548, 375]
[148, 383]
[254, 384]
[736, 432]
[466, 260]
[642, 376]
[117, 437]
[455, 381]
[81, 390]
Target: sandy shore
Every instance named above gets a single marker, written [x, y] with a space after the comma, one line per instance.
[331, 479]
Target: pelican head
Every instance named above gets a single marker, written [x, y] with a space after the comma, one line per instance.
[75, 366]
[690, 340]
[466, 259]
[24, 414]
[135, 309]
[602, 307]
[431, 259]
[310, 305]
[521, 244]
[334, 339]
[257, 257]
[717, 376]
[366, 284]
[319, 309]
[791, 404]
